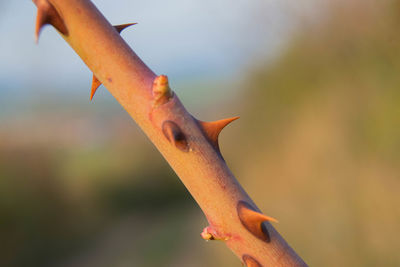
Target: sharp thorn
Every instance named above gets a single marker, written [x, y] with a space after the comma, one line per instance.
[120, 28]
[95, 84]
[253, 220]
[41, 20]
[250, 261]
[175, 135]
[47, 14]
[214, 128]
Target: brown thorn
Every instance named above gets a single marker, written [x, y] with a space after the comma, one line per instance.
[213, 129]
[120, 28]
[253, 220]
[250, 261]
[95, 84]
[175, 135]
[47, 14]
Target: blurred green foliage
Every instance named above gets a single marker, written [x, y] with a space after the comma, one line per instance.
[326, 118]
[55, 201]
[353, 56]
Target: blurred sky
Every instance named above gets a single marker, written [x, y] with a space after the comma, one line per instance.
[186, 39]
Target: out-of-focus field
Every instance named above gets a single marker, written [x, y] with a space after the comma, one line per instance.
[323, 132]
[320, 128]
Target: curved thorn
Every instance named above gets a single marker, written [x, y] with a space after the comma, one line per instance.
[213, 129]
[95, 84]
[120, 28]
[175, 135]
[253, 220]
[47, 14]
[41, 20]
[250, 261]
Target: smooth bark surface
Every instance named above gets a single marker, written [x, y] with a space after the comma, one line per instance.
[190, 146]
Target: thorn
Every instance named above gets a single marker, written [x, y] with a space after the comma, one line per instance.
[95, 84]
[214, 128]
[120, 28]
[47, 14]
[175, 135]
[253, 220]
[41, 20]
[250, 261]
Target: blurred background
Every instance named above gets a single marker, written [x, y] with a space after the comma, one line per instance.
[316, 84]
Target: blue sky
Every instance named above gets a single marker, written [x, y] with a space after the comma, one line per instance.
[185, 39]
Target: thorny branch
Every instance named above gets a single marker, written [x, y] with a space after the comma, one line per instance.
[189, 145]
